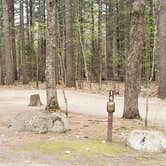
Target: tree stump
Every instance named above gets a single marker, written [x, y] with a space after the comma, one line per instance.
[35, 100]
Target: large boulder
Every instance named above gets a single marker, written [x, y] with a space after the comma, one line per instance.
[40, 122]
[147, 141]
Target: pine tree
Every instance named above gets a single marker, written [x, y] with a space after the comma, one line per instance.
[132, 83]
[70, 80]
[7, 43]
[162, 44]
[51, 53]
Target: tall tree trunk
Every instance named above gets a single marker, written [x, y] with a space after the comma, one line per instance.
[93, 52]
[1, 57]
[109, 40]
[42, 41]
[13, 36]
[70, 80]
[27, 21]
[22, 44]
[162, 45]
[99, 47]
[83, 58]
[57, 60]
[28, 42]
[1, 63]
[51, 52]
[131, 110]
[7, 43]
[155, 48]
[61, 38]
[32, 51]
[118, 46]
[1, 69]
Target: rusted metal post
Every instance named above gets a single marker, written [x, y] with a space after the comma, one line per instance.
[110, 110]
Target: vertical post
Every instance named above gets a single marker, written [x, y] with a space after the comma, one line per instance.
[110, 110]
[109, 130]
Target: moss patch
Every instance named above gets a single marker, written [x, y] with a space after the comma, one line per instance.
[86, 148]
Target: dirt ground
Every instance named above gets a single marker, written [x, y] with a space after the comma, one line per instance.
[82, 145]
[84, 132]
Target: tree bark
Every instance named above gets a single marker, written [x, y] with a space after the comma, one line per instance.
[7, 44]
[13, 36]
[43, 41]
[81, 41]
[109, 39]
[99, 46]
[51, 53]
[162, 45]
[131, 110]
[31, 38]
[22, 44]
[70, 80]
[1, 57]
[1, 69]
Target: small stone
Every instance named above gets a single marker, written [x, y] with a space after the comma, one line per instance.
[27, 162]
[77, 136]
[103, 142]
[51, 138]
[86, 137]
[122, 134]
[67, 152]
[88, 149]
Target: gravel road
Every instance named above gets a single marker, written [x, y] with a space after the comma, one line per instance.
[92, 104]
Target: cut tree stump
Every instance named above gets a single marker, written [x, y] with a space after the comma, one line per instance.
[35, 100]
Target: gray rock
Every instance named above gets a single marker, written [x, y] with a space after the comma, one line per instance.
[40, 122]
[147, 141]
